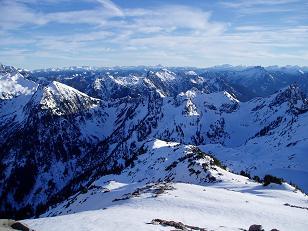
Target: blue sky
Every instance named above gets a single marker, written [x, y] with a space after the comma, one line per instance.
[57, 33]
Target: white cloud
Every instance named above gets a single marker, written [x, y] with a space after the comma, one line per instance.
[109, 5]
[244, 3]
[256, 7]
[175, 17]
[168, 34]
[14, 14]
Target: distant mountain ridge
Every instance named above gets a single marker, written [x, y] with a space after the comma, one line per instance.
[246, 82]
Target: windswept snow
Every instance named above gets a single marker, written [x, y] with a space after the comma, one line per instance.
[159, 144]
[130, 201]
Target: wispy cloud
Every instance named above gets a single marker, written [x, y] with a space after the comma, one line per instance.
[14, 14]
[264, 6]
[109, 5]
[244, 3]
[170, 34]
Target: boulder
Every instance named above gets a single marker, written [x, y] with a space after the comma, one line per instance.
[11, 225]
[255, 228]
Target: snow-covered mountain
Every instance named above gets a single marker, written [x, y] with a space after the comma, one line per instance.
[177, 186]
[245, 83]
[13, 84]
[68, 128]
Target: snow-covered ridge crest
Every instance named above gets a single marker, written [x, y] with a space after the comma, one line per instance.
[216, 98]
[14, 84]
[190, 73]
[165, 75]
[163, 162]
[179, 183]
[62, 99]
[171, 161]
[231, 97]
[244, 83]
[291, 94]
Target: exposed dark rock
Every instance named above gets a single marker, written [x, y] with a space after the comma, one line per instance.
[7, 225]
[177, 225]
[255, 228]
[20, 226]
[296, 206]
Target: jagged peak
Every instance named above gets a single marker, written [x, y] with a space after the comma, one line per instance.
[190, 73]
[7, 69]
[165, 75]
[231, 97]
[61, 99]
[214, 97]
[190, 93]
[13, 84]
[291, 94]
[60, 88]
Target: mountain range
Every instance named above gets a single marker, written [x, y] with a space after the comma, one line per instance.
[68, 135]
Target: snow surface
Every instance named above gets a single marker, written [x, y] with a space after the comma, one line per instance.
[55, 94]
[15, 85]
[129, 201]
[261, 136]
[214, 208]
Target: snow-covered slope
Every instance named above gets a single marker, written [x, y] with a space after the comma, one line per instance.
[13, 84]
[72, 138]
[174, 182]
[61, 99]
[222, 208]
[45, 137]
[275, 132]
[15, 92]
[244, 82]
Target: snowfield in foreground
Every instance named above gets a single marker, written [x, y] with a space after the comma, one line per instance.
[221, 207]
[179, 183]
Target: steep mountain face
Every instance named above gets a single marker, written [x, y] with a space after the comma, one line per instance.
[56, 139]
[45, 139]
[59, 99]
[13, 84]
[277, 145]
